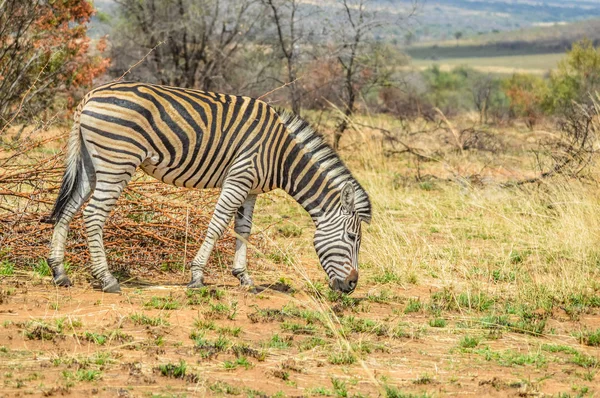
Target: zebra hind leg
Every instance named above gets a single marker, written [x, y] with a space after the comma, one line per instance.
[61, 230]
[243, 225]
[109, 186]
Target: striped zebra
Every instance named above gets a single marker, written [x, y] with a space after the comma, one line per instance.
[198, 139]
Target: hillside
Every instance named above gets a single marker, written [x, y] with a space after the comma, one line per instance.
[441, 19]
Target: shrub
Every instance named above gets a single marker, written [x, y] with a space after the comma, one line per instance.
[525, 94]
[577, 76]
[44, 43]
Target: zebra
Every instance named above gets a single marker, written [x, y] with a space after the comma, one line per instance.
[198, 139]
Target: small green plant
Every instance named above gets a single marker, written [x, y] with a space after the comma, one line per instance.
[310, 343]
[176, 371]
[387, 276]
[96, 338]
[7, 268]
[289, 231]
[341, 358]
[41, 268]
[297, 328]
[205, 325]
[469, 342]
[339, 387]
[221, 387]
[279, 342]
[424, 379]
[142, 319]
[559, 348]
[393, 392]
[589, 337]
[414, 305]
[239, 361]
[279, 257]
[218, 310]
[231, 331]
[83, 375]
[163, 303]
[203, 295]
[437, 323]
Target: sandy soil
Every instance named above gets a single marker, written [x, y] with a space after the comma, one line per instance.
[79, 341]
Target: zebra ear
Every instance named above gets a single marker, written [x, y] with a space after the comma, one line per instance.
[348, 198]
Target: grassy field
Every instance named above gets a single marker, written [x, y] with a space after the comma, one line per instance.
[538, 64]
[465, 288]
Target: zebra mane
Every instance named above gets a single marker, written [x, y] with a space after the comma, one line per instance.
[328, 159]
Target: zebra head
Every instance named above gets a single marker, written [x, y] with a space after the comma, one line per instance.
[337, 238]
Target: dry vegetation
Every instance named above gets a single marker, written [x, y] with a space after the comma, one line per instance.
[466, 287]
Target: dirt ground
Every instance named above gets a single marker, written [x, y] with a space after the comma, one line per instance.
[277, 342]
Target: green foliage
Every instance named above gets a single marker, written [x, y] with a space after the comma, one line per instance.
[393, 392]
[577, 76]
[339, 387]
[176, 371]
[437, 323]
[448, 91]
[589, 337]
[414, 305]
[82, 375]
[7, 268]
[525, 94]
[239, 361]
[279, 342]
[341, 358]
[44, 44]
[42, 268]
[163, 303]
[469, 342]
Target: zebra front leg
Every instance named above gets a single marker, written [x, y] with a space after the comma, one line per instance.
[94, 215]
[243, 226]
[233, 195]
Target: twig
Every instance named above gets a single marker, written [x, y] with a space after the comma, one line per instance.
[280, 87]
[138, 62]
[23, 99]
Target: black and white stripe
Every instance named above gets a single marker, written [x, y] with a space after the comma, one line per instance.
[199, 139]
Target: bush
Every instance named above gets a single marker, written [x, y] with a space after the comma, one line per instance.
[44, 51]
[525, 94]
[449, 91]
[577, 76]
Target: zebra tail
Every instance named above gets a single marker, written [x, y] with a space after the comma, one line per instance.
[74, 169]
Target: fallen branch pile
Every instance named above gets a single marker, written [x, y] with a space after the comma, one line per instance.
[154, 226]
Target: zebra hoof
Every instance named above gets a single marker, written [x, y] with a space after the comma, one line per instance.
[112, 286]
[246, 281]
[62, 280]
[195, 284]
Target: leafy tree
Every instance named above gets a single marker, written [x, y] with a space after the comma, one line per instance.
[448, 91]
[44, 52]
[457, 36]
[526, 93]
[577, 76]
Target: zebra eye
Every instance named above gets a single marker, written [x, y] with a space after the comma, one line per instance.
[351, 236]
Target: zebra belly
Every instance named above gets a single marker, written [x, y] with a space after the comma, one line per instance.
[192, 176]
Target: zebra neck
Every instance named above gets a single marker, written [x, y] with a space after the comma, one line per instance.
[310, 171]
[314, 183]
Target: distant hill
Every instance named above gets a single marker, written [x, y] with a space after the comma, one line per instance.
[441, 19]
[553, 39]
